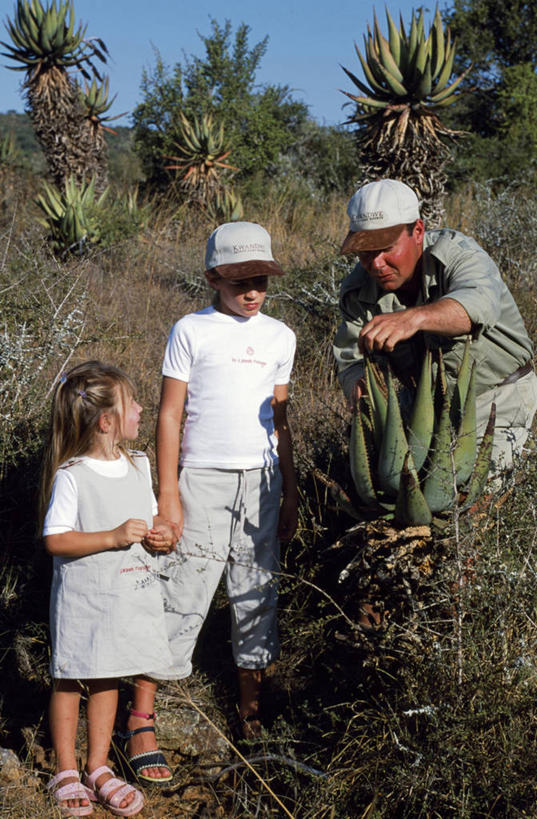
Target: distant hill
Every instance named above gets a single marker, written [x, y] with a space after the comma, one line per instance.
[124, 165]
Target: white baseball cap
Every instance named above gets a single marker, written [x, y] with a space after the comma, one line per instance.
[378, 212]
[240, 250]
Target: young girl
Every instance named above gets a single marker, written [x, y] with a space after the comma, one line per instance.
[106, 610]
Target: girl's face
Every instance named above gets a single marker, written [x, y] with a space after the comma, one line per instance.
[241, 297]
[130, 418]
[126, 416]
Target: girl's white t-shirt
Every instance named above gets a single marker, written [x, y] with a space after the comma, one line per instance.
[231, 365]
[63, 506]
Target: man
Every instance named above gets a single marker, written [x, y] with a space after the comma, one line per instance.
[414, 289]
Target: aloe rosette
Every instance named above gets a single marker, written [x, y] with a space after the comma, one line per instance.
[417, 470]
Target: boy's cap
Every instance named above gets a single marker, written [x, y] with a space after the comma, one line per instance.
[241, 250]
[378, 212]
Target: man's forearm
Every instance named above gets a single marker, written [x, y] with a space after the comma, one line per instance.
[446, 317]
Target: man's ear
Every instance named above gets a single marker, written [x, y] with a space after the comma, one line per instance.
[419, 231]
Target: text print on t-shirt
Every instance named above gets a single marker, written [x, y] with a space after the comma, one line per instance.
[249, 352]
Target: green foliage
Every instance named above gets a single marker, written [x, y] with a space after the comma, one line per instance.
[499, 38]
[260, 124]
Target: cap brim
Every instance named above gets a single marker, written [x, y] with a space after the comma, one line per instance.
[355, 241]
[248, 270]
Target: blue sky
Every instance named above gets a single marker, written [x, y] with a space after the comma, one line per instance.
[307, 43]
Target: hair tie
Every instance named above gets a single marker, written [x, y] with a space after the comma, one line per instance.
[82, 393]
[63, 378]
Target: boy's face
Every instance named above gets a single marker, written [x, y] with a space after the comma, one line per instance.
[240, 297]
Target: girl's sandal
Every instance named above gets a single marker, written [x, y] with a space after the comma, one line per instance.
[73, 790]
[146, 759]
[112, 793]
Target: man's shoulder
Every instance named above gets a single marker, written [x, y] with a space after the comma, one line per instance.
[445, 243]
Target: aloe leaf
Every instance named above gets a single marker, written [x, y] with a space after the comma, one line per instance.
[482, 463]
[411, 509]
[465, 449]
[421, 426]
[440, 388]
[378, 401]
[438, 487]
[461, 387]
[394, 445]
[360, 463]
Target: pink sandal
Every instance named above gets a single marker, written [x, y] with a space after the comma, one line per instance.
[110, 800]
[73, 790]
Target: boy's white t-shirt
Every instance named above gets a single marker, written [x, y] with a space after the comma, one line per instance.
[231, 365]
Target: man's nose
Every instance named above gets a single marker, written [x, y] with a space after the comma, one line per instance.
[377, 260]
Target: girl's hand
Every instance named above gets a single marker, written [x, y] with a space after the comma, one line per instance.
[160, 539]
[132, 531]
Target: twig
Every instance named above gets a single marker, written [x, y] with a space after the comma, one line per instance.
[286, 760]
[191, 702]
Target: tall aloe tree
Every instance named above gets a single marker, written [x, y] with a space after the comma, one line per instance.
[408, 81]
[47, 45]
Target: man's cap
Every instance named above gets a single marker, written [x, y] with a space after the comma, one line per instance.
[241, 250]
[378, 212]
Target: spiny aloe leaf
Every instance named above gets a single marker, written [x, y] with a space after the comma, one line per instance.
[440, 387]
[482, 463]
[394, 444]
[461, 387]
[466, 445]
[359, 462]
[378, 400]
[438, 487]
[421, 426]
[411, 509]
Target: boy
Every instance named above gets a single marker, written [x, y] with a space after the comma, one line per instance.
[228, 367]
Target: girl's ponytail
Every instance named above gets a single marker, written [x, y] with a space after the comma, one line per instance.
[80, 396]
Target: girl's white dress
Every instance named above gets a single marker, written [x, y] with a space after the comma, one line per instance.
[106, 609]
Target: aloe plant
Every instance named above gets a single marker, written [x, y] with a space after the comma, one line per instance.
[418, 470]
[70, 215]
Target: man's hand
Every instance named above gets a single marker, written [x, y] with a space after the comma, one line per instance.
[385, 331]
[445, 317]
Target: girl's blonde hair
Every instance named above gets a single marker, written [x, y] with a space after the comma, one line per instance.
[81, 395]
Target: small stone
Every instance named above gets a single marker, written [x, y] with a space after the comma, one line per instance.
[10, 766]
